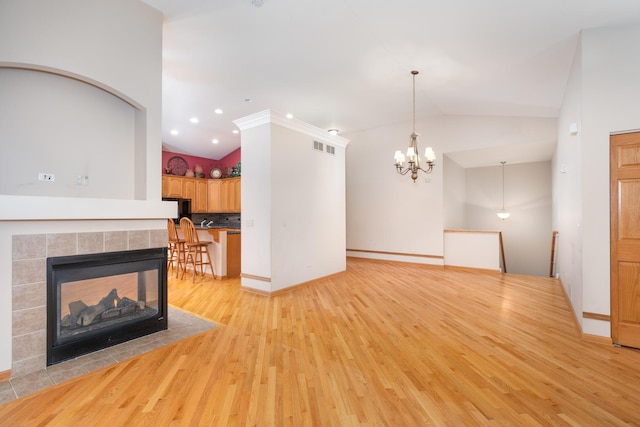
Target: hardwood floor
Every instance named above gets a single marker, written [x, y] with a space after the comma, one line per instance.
[382, 344]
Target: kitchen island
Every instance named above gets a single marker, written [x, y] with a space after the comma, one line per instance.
[224, 249]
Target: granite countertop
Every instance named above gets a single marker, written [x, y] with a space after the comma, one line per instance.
[214, 229]
[217, 227]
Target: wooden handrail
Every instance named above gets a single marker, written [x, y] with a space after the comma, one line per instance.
[504, 262]
[554, 237]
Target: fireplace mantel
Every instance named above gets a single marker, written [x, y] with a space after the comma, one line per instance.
[33, 208]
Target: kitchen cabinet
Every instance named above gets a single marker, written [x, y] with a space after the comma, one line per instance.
[231, 193]
[230, 244]
[172, 186]
[223, 195]
[180, 187]
[233, 255]
[199, 203]
[207, 195]
[189, 190]
[214, 195]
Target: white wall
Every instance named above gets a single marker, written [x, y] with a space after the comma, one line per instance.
[115, 45]
[464, 133]
[566, 172]
[293, 203]
[392, 217]
[308, 208]
[387, 212]
[256, 207]
[472, 249]
[455, 195]
[526, 234]
[80, 40]
[92, 136]
[610, 90]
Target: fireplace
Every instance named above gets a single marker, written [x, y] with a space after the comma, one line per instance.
[98, 300]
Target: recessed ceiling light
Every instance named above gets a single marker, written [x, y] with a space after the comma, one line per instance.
[217, 111]
[236, 131]
[174, 131]
[215, 140]
[194, 120]
[289, 116]
[333, 131]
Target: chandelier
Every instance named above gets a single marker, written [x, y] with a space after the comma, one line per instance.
[503, 214]
[413, 155]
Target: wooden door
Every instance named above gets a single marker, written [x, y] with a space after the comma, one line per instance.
[625, 239]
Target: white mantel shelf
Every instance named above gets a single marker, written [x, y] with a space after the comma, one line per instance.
[31, 208]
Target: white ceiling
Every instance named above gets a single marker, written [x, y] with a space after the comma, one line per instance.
[346, 64]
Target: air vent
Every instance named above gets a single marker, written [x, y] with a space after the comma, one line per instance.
[331, 149]
[317, 145]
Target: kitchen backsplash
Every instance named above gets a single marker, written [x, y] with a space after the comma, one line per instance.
[231, 220]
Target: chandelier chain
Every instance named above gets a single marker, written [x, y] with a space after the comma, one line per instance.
[503, 184]
[414, 100]
[503, 214]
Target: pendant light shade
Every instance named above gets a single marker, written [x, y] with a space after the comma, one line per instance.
[503, 214]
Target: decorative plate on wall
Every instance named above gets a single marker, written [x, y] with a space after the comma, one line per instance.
[177, 165]
[215, 173]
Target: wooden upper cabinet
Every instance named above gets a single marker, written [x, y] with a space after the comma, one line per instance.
[171, 186]
[231, 188]
[224, 195]
[189, 190]
[237, 193]
[214, 195]
[199, 201]
[207, 195]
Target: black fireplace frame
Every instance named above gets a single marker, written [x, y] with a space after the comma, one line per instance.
[110, 263]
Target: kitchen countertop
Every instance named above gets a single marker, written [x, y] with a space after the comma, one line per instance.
[215, 230]
[232, 227]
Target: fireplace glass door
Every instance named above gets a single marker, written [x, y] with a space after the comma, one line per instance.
[98, 300]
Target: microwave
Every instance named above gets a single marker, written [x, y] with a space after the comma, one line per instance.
[184, 207]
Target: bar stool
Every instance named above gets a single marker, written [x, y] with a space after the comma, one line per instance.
[195, 250]
[176, 248]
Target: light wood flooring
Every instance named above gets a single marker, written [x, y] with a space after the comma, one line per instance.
[384, 344]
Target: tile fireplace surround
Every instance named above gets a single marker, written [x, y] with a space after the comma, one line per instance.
[29, 281]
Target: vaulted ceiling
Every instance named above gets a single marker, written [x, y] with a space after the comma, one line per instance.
[345, 64]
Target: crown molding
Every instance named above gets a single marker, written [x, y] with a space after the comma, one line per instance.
[274, 117]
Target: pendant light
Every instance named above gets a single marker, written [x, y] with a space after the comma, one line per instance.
[412, 152]
[503, 214]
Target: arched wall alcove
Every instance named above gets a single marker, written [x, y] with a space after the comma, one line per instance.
[91, 138]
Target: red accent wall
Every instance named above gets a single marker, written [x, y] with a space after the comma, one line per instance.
[192, 161]
[229, 160]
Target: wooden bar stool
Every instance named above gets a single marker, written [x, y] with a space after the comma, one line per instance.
[195, 250]
[176, 248]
